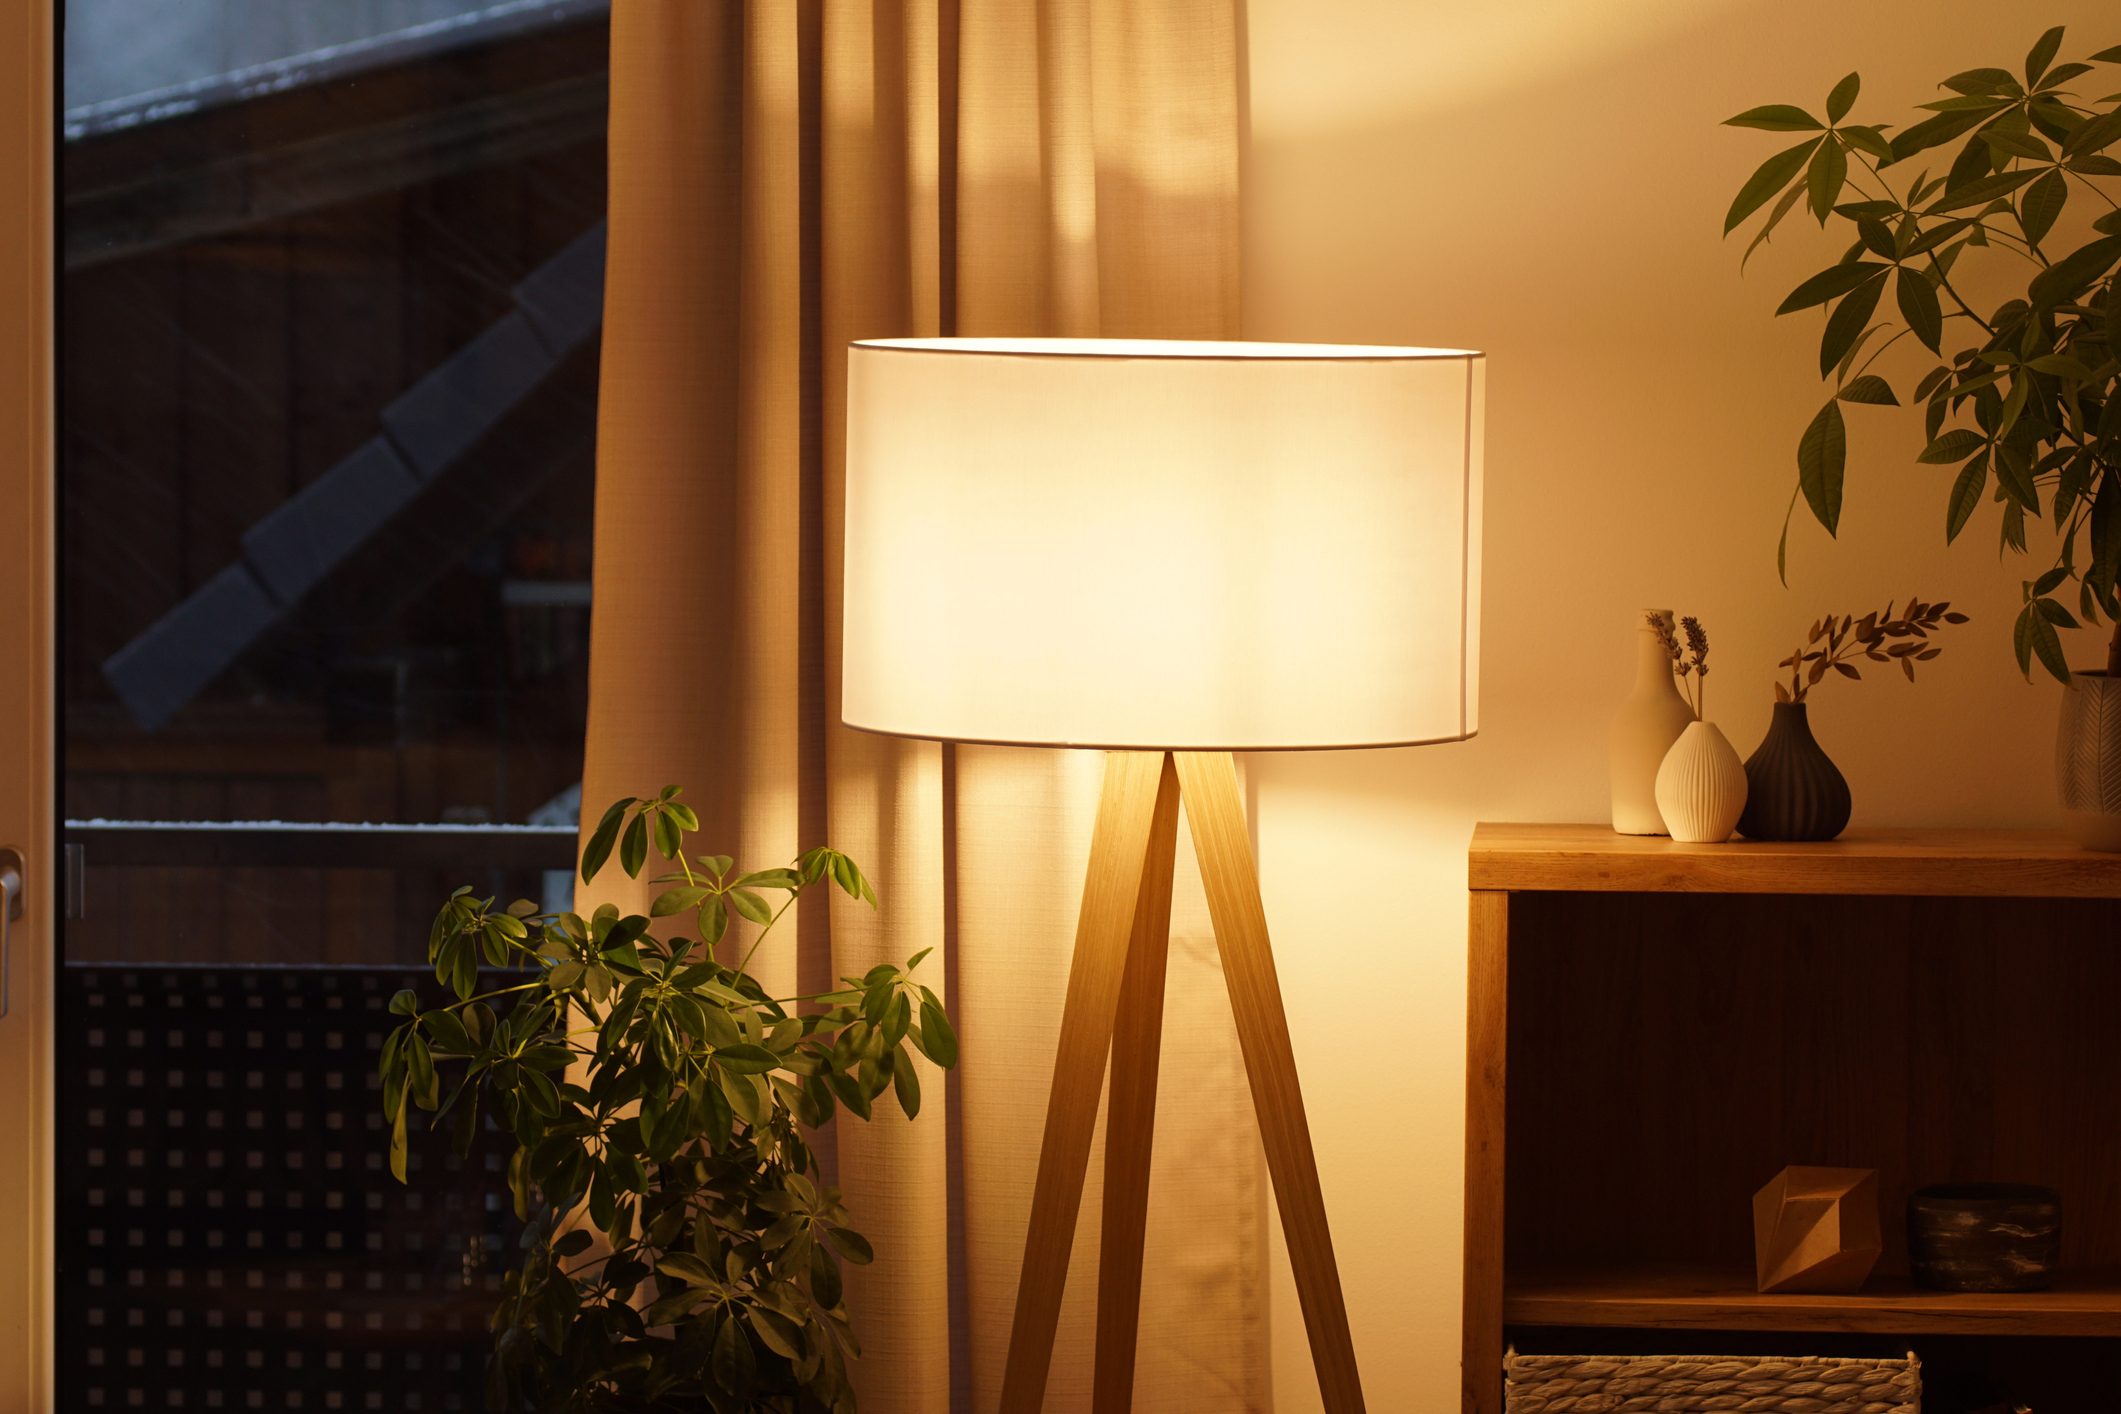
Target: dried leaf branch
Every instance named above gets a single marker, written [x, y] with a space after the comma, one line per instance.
[1835, 641]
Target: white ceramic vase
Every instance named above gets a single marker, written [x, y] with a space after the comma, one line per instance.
[1701, 786]
[1649, 722]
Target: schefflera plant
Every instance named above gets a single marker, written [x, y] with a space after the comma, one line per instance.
[2023, 400]
[679, 1251]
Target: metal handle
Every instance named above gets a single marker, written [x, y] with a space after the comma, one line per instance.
[10, 911]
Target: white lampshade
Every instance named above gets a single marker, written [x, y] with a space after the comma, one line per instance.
[1162, 545]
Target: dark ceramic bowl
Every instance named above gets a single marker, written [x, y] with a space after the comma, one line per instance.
[1984, 1236]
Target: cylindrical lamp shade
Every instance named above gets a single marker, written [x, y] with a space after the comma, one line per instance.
[1162, 545]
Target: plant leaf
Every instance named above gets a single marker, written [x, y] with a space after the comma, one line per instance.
[677, 901]
[2055, 614]
[1767, 227]
[1843, 98]
[1983, 82]
[1869, 388]
[1936, 131]
[2006, 145]
[937, 1040]
[2042, 54]
[1979, 192]
[2062, 280]
[1830, 283]
[1777, 118]
[397, 1144]
[2093, 136]
[851, 1245]
[686, 1268]
[2034, 637]
[906, 1085]
[2015, 476]
[668, 841]
[1935, 236]
[2041, 204]
[599, 847]
[747, 1059]
[1825, 176]
[1847, 323]
[1917, 298]
[1966, 495]
[1821, 454]
[1952, 445]
[2061, 366]
[752, 906]
[1770, 177]
[733, 1363]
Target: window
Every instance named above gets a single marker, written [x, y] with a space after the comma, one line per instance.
[332, 281]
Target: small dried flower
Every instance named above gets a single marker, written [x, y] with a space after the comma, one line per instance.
[1662, 623]
[1697, 642]
[1690, 662]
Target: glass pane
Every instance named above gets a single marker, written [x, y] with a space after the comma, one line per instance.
[332, 282]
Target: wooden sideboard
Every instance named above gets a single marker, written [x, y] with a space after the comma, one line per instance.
[1655, 1029]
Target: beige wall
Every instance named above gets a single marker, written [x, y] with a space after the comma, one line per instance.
[1546, 180]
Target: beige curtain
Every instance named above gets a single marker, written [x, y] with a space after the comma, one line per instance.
[786, 177]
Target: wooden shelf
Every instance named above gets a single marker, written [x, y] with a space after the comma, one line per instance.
[1697, 1300]
[1653, 1029]
[1932, 862]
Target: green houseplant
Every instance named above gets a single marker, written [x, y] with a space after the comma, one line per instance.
[679, 1252]
[2021, 398]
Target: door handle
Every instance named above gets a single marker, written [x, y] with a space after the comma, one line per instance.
[10, 911]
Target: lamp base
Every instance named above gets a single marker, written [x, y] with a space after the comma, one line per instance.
[1115, 1008]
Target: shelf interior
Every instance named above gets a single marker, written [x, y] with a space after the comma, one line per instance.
[1669, 1054]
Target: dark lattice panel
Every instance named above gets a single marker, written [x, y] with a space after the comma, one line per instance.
[230, 1236]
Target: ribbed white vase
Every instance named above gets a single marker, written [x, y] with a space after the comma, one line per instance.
[1701, 786]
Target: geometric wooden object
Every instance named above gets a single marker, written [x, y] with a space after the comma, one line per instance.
[1115, 988]
[1816, 1230]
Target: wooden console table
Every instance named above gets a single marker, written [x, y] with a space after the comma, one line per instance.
[1654, 1029]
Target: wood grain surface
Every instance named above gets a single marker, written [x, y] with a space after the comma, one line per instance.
[1711, 1299]
[1130, 1119]
[1487, 1074]
[1993, 863]
[1215, 814]
[1119, 848]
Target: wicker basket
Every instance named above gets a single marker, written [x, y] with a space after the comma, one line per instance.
[1710, 1384]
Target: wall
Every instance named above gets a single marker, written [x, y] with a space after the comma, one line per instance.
[1546, 180]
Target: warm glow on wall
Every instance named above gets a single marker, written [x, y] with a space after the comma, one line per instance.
[1136, 543]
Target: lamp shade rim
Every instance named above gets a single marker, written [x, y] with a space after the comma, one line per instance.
[1448, 739]
[1203, 349]
[1211, 547]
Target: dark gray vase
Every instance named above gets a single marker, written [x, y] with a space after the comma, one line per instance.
[1793, 791]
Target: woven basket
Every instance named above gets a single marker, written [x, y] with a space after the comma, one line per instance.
[1710, 1384]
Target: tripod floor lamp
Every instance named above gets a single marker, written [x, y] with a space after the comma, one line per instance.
[1173, 551]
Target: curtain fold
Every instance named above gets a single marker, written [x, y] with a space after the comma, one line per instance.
[786, 176]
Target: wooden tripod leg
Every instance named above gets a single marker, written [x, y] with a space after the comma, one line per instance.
[1208, 782]
[1118, 851]
[1130, 1116]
